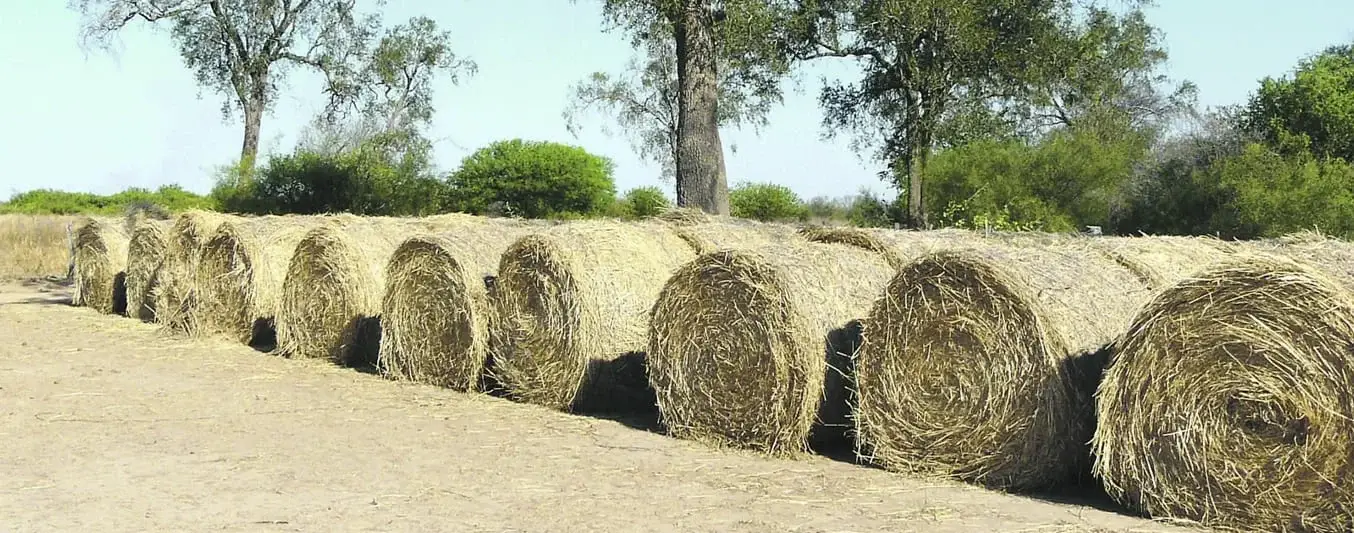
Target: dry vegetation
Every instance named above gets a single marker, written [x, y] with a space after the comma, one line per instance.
[1226, 396]
[34, 245]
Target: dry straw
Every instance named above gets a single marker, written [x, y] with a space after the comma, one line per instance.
[979, 363]
[172, 286]
[737, 343]
[1230, 401]
[436, 316]
[146, 253]
[1162, 260]
[898, 247]
[100, 263]
[575, 303]
[240, 272]
[331, 296]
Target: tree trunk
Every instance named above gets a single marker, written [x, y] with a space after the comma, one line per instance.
[254, 104]
[916, 169]
[701, 181]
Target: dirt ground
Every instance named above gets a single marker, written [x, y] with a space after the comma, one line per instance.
[108, 425]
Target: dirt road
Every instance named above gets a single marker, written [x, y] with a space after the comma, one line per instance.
[108, 425]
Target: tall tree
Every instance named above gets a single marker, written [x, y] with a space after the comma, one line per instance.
[1312, 110]
[706, 35]
[643, 102]
[936, 70]
[244, 48]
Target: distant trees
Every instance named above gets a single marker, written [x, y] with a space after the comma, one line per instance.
[533, 179]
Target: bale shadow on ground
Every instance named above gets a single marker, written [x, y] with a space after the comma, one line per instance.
[362, 345]
[264, 335]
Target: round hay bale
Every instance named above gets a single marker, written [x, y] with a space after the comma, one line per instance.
[709, 233]
[1230, 401]
[240, 272]
[737, 342]
[172, 286]
[978, 363]
[1162, 260]
[331, 295]
[899, 247]
[146, 252]
[436, 316]
[100, 264]
[574, 303]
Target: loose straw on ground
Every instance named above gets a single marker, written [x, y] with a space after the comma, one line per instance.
[737, 343]
[1230, 400]
[437, 321]
[240, 272]
[575, 303]
[100, 263]
[146, 254]
[979, 363]
[172, 286]
[331, 296]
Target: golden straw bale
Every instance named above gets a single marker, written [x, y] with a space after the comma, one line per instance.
[331, 295]
[172, 285]
[737, 342]
[708, 233]
[436, 316]
[1162, 260]
[574, 303]
[100, 264]
[146, 253]
[979, 363]
[899, 247]
[240, 272]
[1230, 400]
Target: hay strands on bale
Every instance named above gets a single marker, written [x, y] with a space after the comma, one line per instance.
[100, 264]
[331, 296]
[239, 276]
[979, 364]
[173, 285]
[437, 321]
[737, 343]
[146, 252]
[1230, 401]
[574, 303]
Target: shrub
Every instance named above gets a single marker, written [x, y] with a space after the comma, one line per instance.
[766, 202]
[642, 202]
[534, 179]
[48, 201]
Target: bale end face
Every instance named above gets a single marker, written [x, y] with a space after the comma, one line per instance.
[543, 363]
[1231, 401]
[326, 296]
[225, 281]
[100, 277]
[726, 357]
[145, 255]
[433, 318]
[957, 377]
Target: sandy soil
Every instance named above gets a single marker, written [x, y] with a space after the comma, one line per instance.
[109, 425]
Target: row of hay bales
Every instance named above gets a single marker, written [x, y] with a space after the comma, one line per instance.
[1194, 378]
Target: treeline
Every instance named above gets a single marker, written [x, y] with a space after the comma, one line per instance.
[53, 202]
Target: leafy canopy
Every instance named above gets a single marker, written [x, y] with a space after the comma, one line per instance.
[534, 179]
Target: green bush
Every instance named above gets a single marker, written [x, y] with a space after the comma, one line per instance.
[766, 202]
[642, 202]
[48, 201]
[533, 179]
[373, 180]
[1272, 194]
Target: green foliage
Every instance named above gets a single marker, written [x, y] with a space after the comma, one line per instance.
[48, 201]
[533, 179]
[766, 202]
[1313, 111]
[1069, 179]
[642, 202]
[377, 178]
[863, 209]
[1273, 194]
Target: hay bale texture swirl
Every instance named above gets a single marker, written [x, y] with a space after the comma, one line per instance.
[574, 302]
[1231, 399]
[173, 285]
[146, 253]
[100, 262]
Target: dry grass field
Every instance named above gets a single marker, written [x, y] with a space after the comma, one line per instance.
[110, 425]
[33, 246]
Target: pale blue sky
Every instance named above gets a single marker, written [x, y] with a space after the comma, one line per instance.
[102, 122]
